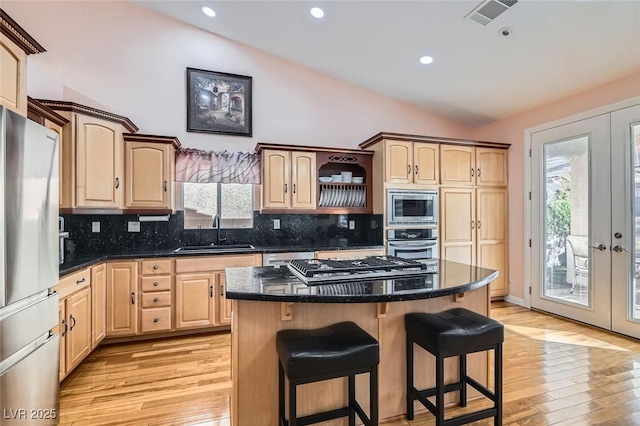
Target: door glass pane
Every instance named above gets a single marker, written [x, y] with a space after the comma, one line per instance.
[636, 215]
[566, 220]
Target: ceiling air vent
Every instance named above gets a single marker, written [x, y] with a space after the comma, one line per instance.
[490, 10]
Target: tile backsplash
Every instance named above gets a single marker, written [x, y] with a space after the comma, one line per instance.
[296, 230]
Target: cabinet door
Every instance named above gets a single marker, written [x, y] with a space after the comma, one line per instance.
[99, 162]
[303, 172]
[426, 158]
[277, 179]
[195, 300]
[491, 210]
[61, 187]
[491, 167]
[457, 165]
[13, 76]
[122, 280]
[79, 317]
[147, 174]
[458, 227]
[224, 306]
[63, 330]
[98, 304]
[398, 161]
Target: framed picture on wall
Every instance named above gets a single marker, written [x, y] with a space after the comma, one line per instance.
[218, 102]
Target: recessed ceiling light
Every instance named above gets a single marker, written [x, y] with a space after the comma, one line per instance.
[426, 60]
[208, 11]
[316, 12]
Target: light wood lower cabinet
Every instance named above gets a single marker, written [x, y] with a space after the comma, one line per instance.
[75, 330]
[98, 304]
[122, 287]
[473, 224]
[224, 307]
[195, 300]
[156, 291]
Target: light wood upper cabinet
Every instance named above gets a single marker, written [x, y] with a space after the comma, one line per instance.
[98, 304]
[411, 162]
[148, 177]
[195, 300]
[79, 318]
[224, 307]
[13, 76]
[122, 298]
[491, 167]
[99, 160]
[289, 179]
[457, 165]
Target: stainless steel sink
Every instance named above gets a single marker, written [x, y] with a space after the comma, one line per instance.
[213, 249]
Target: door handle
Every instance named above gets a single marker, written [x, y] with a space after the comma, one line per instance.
[619, 249]
[211, 291]
[600, 247]
[416, 169]
[222, 290]
[81, 281]
[294, 188]
[473, 224]
[133, 298]
[66, 327]
[285, 188]
[74, 322]
[479, 224]
[117, 183]
[478, 174]
[408, 169]
[165, 186]
[472, 171]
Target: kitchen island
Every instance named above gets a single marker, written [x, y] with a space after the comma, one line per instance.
[266, 300]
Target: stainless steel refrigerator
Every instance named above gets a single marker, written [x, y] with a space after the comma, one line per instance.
[29, 352]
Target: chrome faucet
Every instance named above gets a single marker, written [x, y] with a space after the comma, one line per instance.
[216, 224]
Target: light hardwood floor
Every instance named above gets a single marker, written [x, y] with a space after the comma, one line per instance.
[556, 372]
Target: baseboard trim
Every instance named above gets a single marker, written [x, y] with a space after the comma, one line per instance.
[515, 300]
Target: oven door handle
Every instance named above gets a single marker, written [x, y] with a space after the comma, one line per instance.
[413, 244]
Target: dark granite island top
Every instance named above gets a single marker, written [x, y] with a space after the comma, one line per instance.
[280, 285]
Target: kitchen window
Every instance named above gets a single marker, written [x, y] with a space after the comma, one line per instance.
[231, 202]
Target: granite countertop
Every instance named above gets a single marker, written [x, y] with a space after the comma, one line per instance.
[280, 285]
[77, 262]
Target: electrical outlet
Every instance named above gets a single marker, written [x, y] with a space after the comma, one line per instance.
[95, 226]
[374, 225]
[352, 224]
[276, 223]
[133, 226]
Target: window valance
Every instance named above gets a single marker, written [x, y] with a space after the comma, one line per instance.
[194, 165]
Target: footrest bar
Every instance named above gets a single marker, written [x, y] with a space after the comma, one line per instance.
[360, 412]
[447, 388]
[483, 390]
[322, 417]
[471, 417]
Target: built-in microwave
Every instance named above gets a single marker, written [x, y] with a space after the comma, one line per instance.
[412, 207]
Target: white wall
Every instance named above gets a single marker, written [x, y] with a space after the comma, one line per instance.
[132, 61]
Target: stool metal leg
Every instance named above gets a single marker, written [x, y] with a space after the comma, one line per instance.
[352, 400]
[373, 396]
[439, 390]
[409, 357]
[498, 384]
[463, 380]
[293, 419]
[281, 415]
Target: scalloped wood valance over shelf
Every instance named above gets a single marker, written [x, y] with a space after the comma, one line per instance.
[194, 165]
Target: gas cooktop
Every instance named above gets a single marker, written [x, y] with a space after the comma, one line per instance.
[318, 271]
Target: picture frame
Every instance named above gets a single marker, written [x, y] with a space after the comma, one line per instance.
[219, 102]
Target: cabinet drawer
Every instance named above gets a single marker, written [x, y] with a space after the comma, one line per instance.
[156, 283]
[156, 300]
[72, 283]
[155, 320]
[156, 267]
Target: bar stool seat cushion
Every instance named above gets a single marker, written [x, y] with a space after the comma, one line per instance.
[342, 346]
[453, 332]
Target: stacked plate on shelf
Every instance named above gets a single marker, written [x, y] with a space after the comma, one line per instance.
[342, 196]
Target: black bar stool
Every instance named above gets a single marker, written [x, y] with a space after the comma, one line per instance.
[339, 350]
[456, 332]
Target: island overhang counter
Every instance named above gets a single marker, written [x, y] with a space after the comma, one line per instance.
[266, 300]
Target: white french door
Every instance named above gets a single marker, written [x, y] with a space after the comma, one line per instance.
[584, 195]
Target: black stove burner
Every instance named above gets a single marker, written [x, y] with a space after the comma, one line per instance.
[308, 268]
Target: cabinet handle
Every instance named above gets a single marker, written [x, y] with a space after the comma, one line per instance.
[479, 224]
[222, 290]
[472, 170]
[156, 284]
[66, 327]
[156, 319]
[117, 183]
[74, 322]
[294, 188]
[285, 188]
[478, 173]
[165, 186]
[408, 169]
[155, 267]
[81, 281]
[156, 300]
[211, 291]
[133, 298]
[473, 224]
[416, 169]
